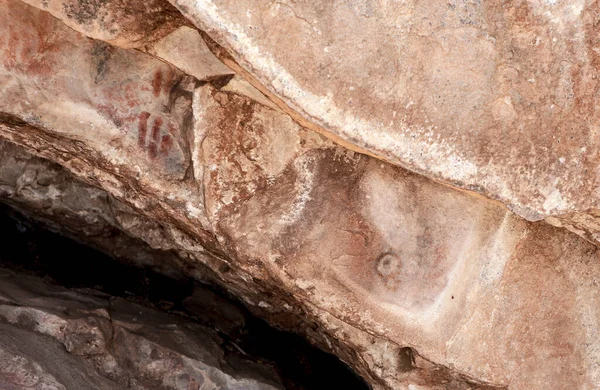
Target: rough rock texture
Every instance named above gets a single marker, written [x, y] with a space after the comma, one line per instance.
[53, 338]
[121, 23]
[412, 282]
[495, 97]
[53, 196]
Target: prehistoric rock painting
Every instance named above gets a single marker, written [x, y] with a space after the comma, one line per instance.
[158, 143]
[126, 95]
[399, 273]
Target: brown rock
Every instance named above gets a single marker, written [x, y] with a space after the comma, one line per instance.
[494, 98]
[128, 24]
[413, 283]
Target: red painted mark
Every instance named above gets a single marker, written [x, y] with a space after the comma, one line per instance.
[165, 145]
[173, 130]
[143, 129]
[169, 81]
[157, 82]
[153, 144]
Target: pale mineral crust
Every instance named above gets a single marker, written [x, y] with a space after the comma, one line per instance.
[299, 200]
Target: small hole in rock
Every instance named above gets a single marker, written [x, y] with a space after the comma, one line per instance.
[406, 359]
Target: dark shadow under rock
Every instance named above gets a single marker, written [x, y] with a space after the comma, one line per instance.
[126, 326]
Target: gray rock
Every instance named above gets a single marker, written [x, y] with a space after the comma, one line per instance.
[53, 338]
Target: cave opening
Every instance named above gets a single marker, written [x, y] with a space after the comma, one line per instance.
[31, 249]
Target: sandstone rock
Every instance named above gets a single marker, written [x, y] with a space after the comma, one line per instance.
[121, 23]
[496, 98]
[386, 250]
[186, 49]
[156, 28]
[31, 361]
[413, 283]
[54, 197]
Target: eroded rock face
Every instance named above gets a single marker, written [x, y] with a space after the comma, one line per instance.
[53, 338]
[492, 97]
[412, 282]
[428, 266]
[120, 23]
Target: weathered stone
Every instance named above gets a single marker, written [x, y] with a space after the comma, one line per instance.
[156, 28]
[411, 282]
[186, 49]
[497, 98]
[87, 214]
[119, 22]
[120, 344]
[389, 251]
[31, 361]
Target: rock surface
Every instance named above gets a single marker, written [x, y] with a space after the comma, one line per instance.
[413, 283]
[53, 338]
[121, 23]
[493, 97]
[88, 214]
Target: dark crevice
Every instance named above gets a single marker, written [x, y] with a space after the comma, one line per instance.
[29, 248]
[406, 359]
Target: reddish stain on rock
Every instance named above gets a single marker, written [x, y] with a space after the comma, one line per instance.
[153, 144]
[166, 144]
[157, 82]
[173, 130]
[143, 129]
